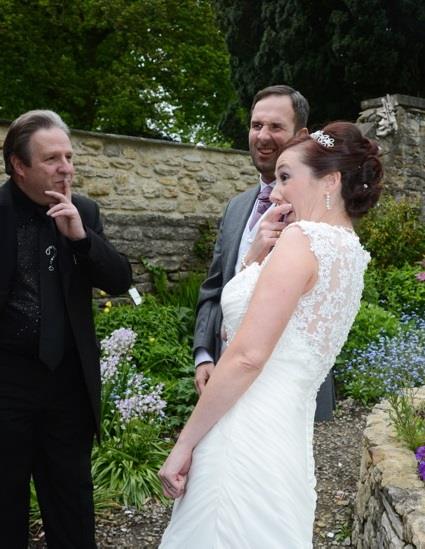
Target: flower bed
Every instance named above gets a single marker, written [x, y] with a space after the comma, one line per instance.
[390, 503]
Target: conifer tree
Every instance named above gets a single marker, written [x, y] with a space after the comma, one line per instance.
[336, 52]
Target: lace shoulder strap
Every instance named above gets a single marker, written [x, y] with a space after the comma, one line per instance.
[320, 236]
[326, 312]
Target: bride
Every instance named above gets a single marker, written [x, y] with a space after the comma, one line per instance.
[242, 470]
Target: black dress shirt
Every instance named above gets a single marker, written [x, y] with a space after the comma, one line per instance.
[20, 317]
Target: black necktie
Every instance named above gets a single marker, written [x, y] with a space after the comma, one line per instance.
[52, 322]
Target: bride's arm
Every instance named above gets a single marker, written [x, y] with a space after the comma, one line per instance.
[290, 272]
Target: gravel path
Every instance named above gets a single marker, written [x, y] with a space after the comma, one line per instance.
[337, 451]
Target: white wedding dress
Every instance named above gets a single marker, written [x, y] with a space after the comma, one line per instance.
[251, 484]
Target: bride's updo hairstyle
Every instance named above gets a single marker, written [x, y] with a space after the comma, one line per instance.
[341, 147]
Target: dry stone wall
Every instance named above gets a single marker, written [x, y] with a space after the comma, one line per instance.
[390, 506]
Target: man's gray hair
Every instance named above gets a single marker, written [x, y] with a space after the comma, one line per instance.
[20, 132]
[299, 102]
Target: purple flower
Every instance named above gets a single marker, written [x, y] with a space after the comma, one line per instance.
[421, 470]
[421, 276]
[420, 453]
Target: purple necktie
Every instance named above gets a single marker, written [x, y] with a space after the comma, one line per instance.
[263, 204]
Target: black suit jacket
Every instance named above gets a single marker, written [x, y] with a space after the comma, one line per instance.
[102, 267]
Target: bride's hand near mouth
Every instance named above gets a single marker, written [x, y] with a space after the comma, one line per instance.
[268, 232]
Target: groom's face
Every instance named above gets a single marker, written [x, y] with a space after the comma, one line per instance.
[272, 125]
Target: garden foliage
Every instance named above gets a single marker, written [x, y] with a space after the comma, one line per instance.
[393, 232]
[386, 346]
[154, 68]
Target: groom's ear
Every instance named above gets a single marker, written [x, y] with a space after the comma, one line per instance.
[301, 133]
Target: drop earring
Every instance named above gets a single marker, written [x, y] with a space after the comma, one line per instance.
[328, 201]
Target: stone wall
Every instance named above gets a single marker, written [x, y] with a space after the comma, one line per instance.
[398, 123]
[390, 506]
[157, 198]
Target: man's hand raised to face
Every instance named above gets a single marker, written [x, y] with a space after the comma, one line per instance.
[65, 214]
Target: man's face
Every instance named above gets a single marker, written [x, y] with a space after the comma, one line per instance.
[51, 165]
[272, 125]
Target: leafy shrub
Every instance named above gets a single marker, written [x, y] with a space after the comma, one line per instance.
[371, 322]
[159, 330]
[401, 291]
[184, 293]
[393, 232]
[372, 280]
[387, 364]
[162, 350]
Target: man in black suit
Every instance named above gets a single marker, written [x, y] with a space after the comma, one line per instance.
[53, 253]
[278, 113]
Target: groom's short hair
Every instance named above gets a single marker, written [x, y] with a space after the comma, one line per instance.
[299, 102]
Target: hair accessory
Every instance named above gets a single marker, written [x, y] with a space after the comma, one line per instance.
[323, 139]
[328, 201]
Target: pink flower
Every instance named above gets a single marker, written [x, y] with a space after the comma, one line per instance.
[421, 276]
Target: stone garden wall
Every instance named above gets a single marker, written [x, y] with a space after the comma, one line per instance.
[161, 201]
[398, 123]
[390, 506]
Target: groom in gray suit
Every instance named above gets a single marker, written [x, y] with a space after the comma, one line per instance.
[249, 229]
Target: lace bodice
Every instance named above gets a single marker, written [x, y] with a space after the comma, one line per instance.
[325, 314]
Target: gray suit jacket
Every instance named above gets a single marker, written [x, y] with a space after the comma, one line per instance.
[222, 269]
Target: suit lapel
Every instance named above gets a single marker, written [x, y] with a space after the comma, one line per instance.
[8, 244]
[238, 220]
